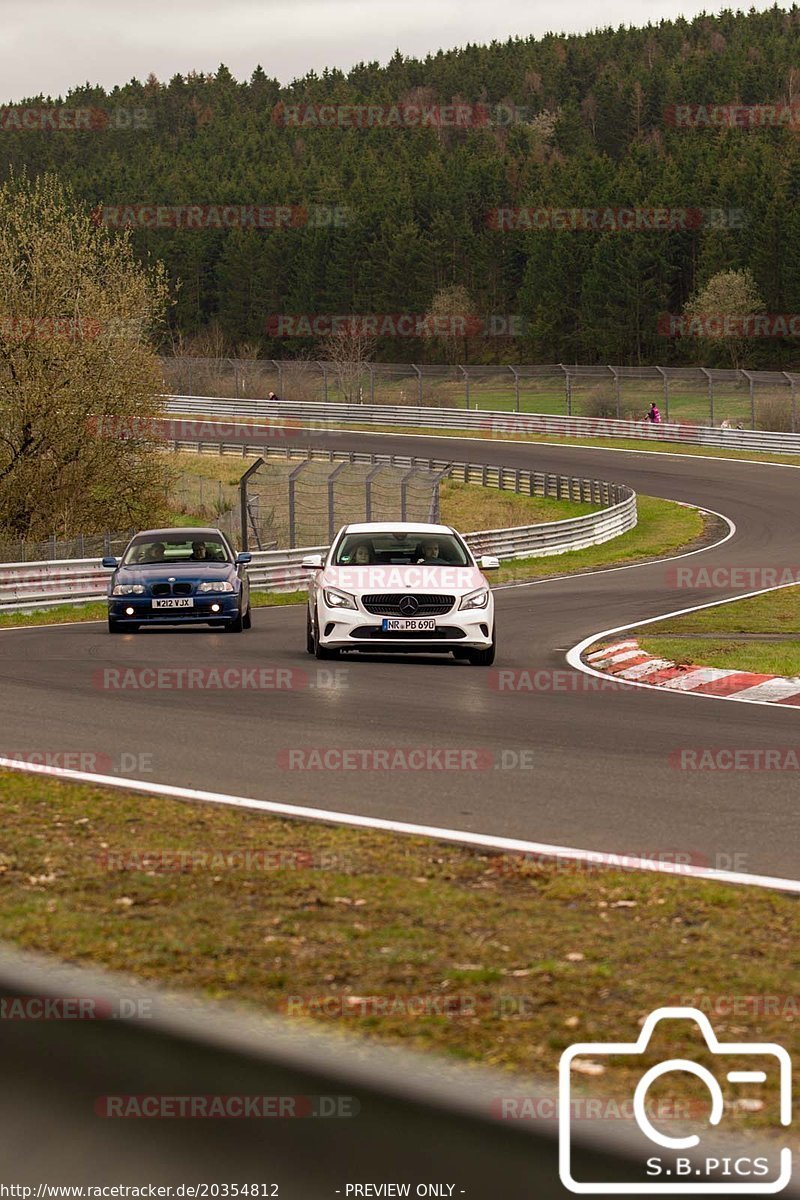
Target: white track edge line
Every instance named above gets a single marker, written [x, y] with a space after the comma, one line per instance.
[462, 837]
[575, 660]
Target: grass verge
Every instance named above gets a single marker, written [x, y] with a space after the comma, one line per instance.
[663, 528]
[490, 959]
[99, 611]
[715, 642]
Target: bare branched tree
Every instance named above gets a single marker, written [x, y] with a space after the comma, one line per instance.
[79, 377]
[349, 348]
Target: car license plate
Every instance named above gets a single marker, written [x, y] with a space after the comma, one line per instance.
[412, 624]
[175, 602]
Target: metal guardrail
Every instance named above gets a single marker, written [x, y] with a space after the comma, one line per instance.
[415, 1118]
[617, 389]
[493, 423]
[41, 585]
[412, 1118]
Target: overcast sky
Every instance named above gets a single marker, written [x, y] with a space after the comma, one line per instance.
[50, 45]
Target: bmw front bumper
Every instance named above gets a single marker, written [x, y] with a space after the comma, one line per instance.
[199, 614]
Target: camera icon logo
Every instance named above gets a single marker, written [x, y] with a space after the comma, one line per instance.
[683, 1164]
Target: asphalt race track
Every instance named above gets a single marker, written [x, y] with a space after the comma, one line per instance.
[597, 770]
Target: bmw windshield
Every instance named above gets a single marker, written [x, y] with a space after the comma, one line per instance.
[148, 551]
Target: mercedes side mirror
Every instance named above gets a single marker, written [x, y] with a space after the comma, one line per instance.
[313, 562]
[489, 562]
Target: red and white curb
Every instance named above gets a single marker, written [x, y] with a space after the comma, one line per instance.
[626, 660]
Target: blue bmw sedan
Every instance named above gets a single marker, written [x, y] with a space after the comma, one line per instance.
[178, 577]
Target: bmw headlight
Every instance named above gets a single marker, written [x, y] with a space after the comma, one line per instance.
[128, 589]
[336, 599]
[477, 599]
[221, 586]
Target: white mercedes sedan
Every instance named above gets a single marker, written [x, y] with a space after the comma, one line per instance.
[401, 586]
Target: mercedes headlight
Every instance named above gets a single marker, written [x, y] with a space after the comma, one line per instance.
[477, 599]
[337, 599]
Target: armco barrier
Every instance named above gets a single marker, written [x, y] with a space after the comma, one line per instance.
[499, 424]
[405, 1117]
[76, 581]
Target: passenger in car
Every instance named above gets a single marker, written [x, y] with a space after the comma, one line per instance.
[430, 554]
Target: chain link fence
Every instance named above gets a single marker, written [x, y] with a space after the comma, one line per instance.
[303, 504]
[288, 504]
[739, 398]
[55, 548]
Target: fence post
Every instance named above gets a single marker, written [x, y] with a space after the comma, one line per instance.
[243, 499]
[276, 362]
[404, 493]
[414, 367]
[515, 373]
[292, 504]
[793, 387]
[323, 367]
[466, 384]
[567, 389]
[752, 384]
[368, 491]
[707, 374]
[331, 498]
[617, 396]
[666, 392]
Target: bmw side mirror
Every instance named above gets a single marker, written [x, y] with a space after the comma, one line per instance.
[110, 562]
[489, 562]
[313, 562]
[244, 557]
